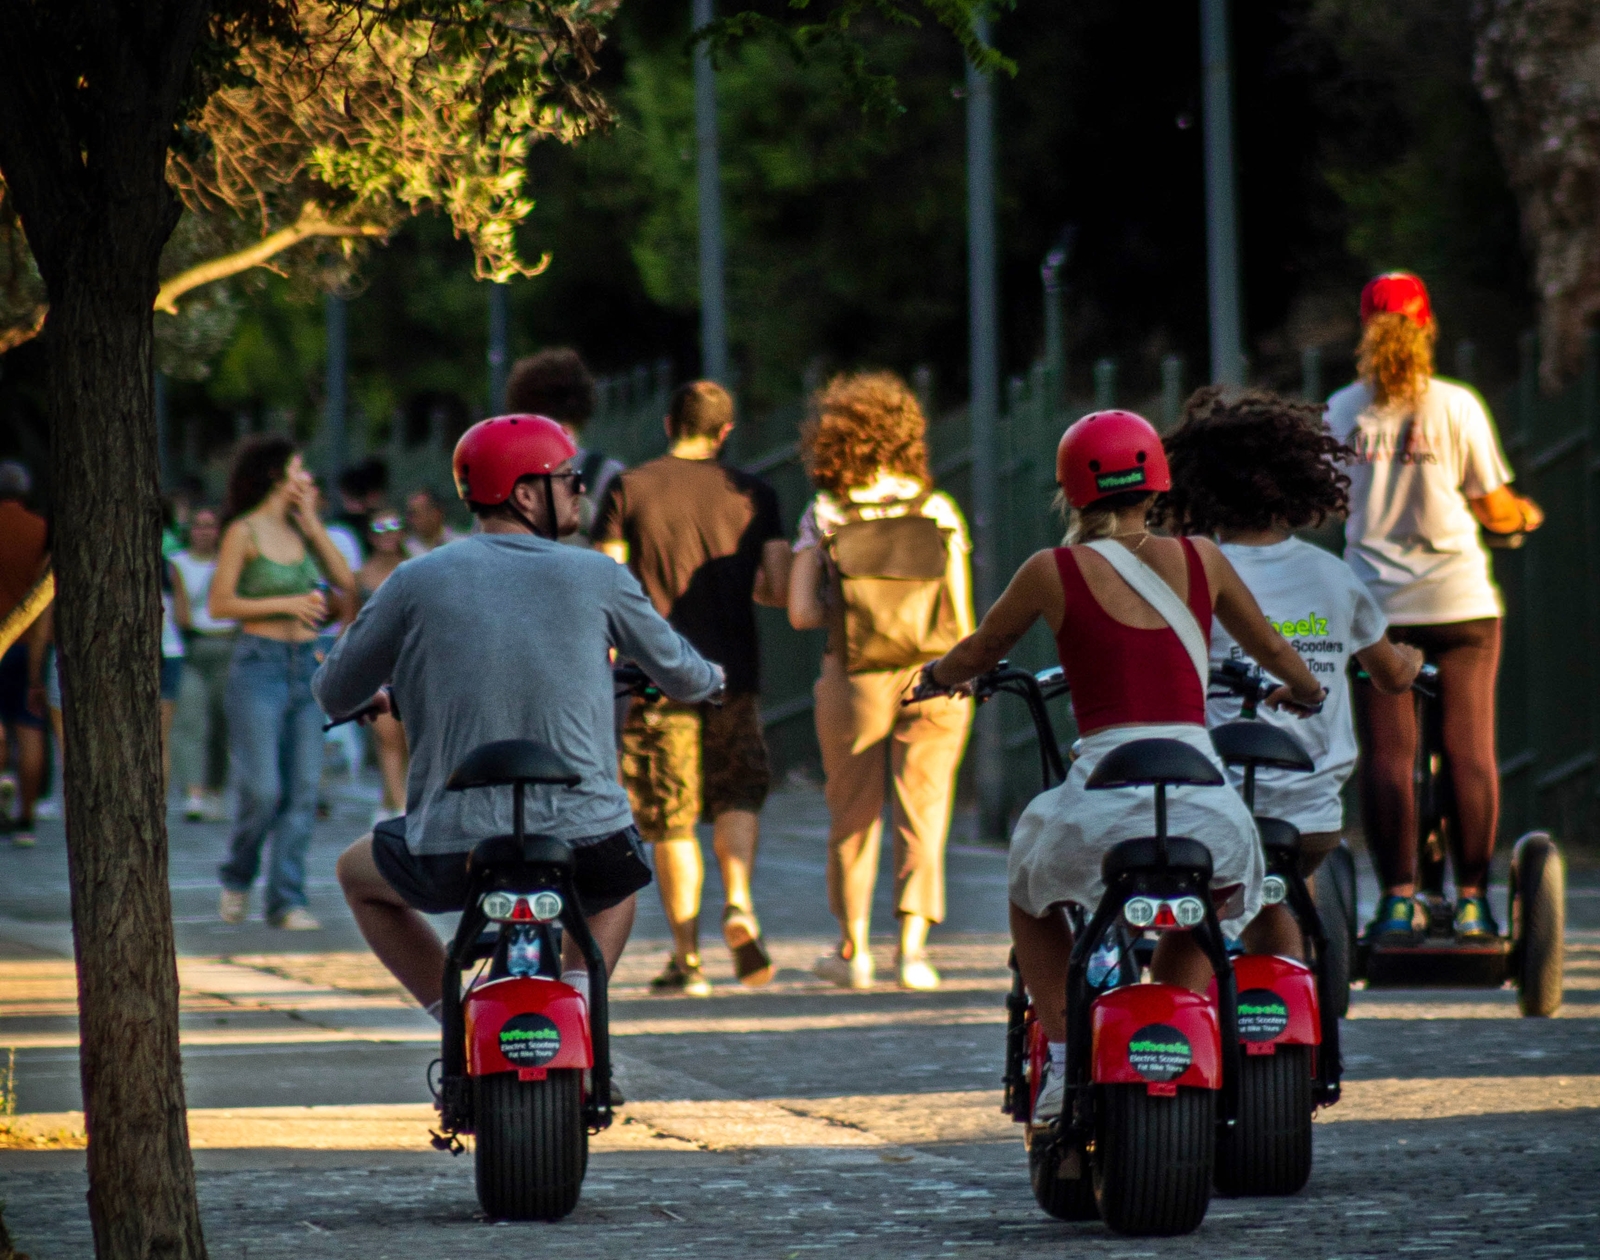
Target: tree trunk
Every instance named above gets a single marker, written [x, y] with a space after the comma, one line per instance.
[1538, 68]
[106, 549]
[89, 95]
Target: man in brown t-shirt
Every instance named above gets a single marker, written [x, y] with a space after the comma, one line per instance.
[704, 540]
[24, 543]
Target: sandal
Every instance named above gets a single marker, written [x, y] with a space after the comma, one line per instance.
[751, 962]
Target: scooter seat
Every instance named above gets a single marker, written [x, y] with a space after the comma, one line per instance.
[1147, 762]
[503, 852]
[1143, 854]
[1277, 835]
[1246, 743]
[509, 761]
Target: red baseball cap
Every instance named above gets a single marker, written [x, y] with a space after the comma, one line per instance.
[1399, 292]
[494, 453]
[1110, 452]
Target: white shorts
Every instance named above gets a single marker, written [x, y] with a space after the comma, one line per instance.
[1064, 833]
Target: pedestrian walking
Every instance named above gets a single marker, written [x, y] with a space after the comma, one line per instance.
[557, 383]
[274, 559]
[384, 556]
[881, 562]
[1427, 472]
[425, 516]
[704, 540]
[24, 556]
[200, 725]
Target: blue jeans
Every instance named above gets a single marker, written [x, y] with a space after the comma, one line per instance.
[275, 760]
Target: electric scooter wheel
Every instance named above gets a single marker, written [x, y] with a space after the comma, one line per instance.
[1336, 907]
[1538, 922]
[1153, 1159]
[1065, 1198]
[1268, 1151]
[532, 1145]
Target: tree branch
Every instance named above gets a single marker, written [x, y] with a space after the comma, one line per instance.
[307, 226]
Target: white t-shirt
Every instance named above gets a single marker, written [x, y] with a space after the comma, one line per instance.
[415, 546]
[1314, 600]
[1411, 536]
[196, 576]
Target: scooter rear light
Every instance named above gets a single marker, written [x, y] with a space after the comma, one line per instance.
[1273, 890]
[1140, 912]
[1165, 918]
[1189, 911]
[522, 912]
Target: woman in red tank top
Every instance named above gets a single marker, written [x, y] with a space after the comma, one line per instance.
[1132, 677]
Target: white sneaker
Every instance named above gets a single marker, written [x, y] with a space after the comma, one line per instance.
[296, 919]
[234, 906]
[1052, 1095]
[916, 972]
[847, 973]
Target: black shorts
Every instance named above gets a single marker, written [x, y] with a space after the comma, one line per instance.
[606, 872]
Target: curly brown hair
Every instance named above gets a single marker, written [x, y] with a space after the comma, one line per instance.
[864, 423]
[1395, 357]
[1250, 459]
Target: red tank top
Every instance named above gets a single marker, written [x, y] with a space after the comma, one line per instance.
[1121, 674]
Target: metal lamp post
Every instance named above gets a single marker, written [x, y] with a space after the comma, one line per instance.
[713, 291]
[1222, 229]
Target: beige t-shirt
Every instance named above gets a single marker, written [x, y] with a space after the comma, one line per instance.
[1410, 535]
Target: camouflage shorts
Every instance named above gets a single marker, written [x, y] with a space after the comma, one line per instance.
[684, 762]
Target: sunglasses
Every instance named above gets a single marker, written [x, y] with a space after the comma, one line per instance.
[386, 525]
[578, 483]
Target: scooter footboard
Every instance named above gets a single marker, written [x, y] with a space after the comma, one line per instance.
[525, 1024]
[1158, 1035]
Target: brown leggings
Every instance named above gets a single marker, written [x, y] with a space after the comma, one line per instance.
[1468, 655]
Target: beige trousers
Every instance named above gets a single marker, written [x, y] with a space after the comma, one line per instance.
[867, 735]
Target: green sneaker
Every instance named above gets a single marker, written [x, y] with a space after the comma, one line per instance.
[1474, 920]
[1395, 922]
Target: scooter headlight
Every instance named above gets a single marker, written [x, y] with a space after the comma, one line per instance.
[498, 906]
[1189, 911]
[1140, 912]
[545, 906]
[1273, 890]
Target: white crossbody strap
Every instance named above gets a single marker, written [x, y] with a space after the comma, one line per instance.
[1147, 583]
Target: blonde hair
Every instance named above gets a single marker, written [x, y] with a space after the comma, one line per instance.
[1395, 357]
[1098, 520]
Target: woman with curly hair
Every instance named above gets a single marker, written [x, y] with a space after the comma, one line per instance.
[1248, 469]
[1426, 470]
[881, 563]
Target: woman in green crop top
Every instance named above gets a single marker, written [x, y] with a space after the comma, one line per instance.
[274, 557]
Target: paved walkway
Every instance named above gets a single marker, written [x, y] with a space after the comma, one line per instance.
[791, 1120]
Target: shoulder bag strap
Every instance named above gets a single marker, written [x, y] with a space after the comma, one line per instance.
[1148, 584]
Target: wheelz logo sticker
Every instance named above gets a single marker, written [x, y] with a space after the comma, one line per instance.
[1262, 1015]
[529, 1040]
[1126, 480]
[1159, 1052]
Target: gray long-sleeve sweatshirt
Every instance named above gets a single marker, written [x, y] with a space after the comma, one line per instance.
[504, 636]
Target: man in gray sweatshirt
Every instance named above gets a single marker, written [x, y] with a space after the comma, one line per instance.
[505, 634]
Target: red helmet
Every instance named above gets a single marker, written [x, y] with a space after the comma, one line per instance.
[1110, 452]
[1399, 292]
[494, 453]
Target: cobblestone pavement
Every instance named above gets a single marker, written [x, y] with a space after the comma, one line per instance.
[794, 1120]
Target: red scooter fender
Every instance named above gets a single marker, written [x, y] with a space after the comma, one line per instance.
[1277, 1003]
[527, 1025]
[1158, 1035]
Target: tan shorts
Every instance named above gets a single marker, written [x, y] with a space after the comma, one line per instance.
[682, 763]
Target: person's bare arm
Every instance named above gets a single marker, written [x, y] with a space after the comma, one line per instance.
[1241, 616]
[181, 613]
[226, 604]
[1504, 511]
[806, 609]
[1025, 600]
[1391, 666]
[772, 578]
[328, 557]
